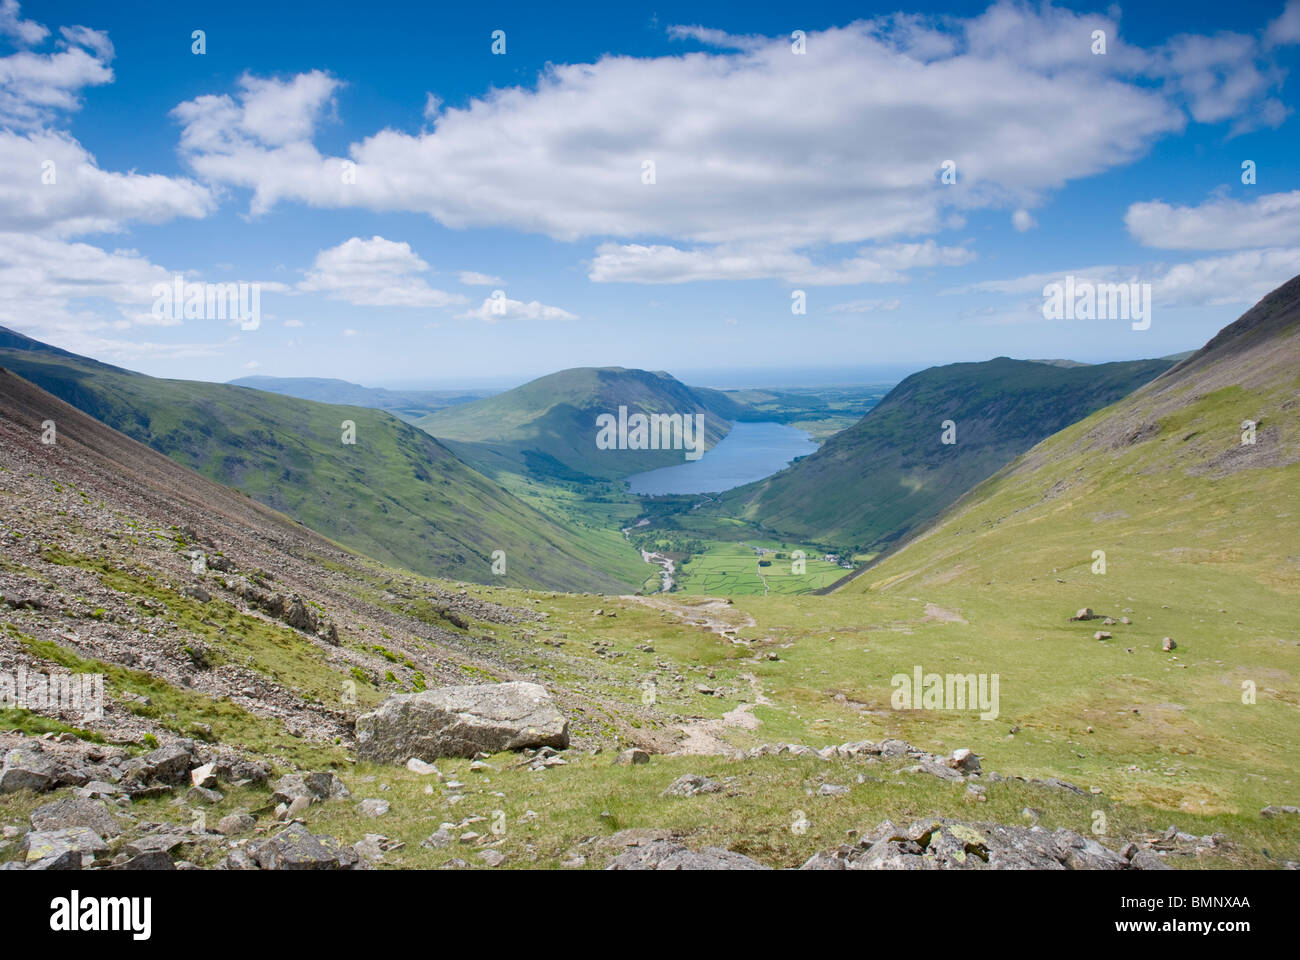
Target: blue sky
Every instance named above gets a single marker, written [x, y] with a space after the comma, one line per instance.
[524, 172]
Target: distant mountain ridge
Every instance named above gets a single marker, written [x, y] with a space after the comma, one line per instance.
[873, 483]
[408, 405]
[547, 428]
[396, 494]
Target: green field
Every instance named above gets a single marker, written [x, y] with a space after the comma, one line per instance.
[727, 569]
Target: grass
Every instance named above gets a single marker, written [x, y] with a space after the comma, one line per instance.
[733, 569]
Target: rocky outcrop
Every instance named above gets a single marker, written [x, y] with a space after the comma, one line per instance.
[671, 855]
[460, 722]
[297, 848]
[940, 844]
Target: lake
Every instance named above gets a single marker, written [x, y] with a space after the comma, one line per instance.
[751, 451]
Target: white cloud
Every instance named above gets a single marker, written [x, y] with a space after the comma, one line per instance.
[1023, 220]
[1285, 30]
[471, 278]
[292, 322]
[374, 273]
[494, 309]
[76, 295]
[866, 306]
[36, 86]
[1241, 277]
[261, 140]
[27, 32]
[638, 263]
[763, 157]
[1218, 224]
[83, 198]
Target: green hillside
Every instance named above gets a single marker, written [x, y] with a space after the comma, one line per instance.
[871, 484]
[1199, 533]
[396, 494]
[546, 429]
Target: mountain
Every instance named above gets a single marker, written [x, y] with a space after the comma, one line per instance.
[547, 428]
[871, 484]
[1171, 482]
[408, 405]
[396, 494]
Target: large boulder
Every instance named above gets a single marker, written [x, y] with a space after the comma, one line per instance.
[76, 812]
[671, 855]
[297, 848]
[460, 722]
[941, 844]
[26, 768]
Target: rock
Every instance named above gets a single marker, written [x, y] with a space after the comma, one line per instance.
[941, 844]
[311, 786]
[460, 722]
[671, 855]
[25, 768]
[689, 785]
[1271, 811]
[197, 592]
[326, 786]
[154, 843]
[439, 838]
[43, 844]
[964, 760]
[297, 848]
[1084, 613]
[832, 790]
[492, 858]
[418, 766]
[167, 764]
[67, 860]
[203, 795]
[633, 756]
[157, 860]
[1101, 635]
[204, 776]
[238, 860]
[297, 808]
[374, 808]
[235, 824]
[76, 812]
[298, 616]
[1168, 644]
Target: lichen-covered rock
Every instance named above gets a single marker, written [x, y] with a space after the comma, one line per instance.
[76, 812]
[26, 768]
[296, 848]
[671, 855]
[942, 844]
[460, 722]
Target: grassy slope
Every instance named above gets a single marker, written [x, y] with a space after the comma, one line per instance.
[396, 495]
[547, 427]
[1200, 538]
[874, 482]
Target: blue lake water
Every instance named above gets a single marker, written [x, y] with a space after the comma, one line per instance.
[751, 451]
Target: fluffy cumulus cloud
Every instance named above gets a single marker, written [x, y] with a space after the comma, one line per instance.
[1242, 277]
[374, 273]
[497, 308]
[54, 290]
[50, 185]
[35, 86]
[1218, 224]
[52, 189]
[761, 157]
